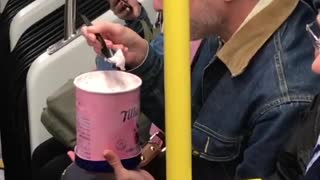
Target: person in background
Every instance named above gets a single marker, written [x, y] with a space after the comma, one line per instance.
[250, 83]
[134, 19]
[50, 158]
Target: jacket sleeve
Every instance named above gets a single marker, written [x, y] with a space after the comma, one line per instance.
[269, 133]
[152, 90]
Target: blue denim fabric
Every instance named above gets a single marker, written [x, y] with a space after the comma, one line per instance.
[103, 65]
[244, 119]
[315, 4]
[157, 44]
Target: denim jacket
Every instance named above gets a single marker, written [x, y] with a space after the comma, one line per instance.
[243, 118]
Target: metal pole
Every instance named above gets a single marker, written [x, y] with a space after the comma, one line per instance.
[69, 19]
[177, 89]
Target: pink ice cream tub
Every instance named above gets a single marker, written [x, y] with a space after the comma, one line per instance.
[107, 109]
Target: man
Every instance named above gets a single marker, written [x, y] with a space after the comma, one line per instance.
[250, 83]
[50, 158]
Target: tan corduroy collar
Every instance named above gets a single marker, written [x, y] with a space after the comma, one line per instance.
[244, 44]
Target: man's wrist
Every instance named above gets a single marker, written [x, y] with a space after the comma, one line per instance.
[142, 59]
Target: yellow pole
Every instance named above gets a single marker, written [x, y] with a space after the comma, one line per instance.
[177, 89]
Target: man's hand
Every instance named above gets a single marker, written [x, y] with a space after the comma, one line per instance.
[117, 37]
[123, 174]
[120, 9]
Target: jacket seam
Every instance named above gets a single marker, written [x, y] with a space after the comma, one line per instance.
[216, 135]
[219, 159]
[278, 58]
[278, 102]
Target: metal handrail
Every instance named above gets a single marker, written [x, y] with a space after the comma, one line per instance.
[177, 89]
[69, 18]
[70, 31]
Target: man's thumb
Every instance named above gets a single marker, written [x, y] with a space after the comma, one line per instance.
[114, 161]
[71, 155]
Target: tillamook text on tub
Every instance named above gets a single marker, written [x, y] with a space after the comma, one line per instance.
[130, 114]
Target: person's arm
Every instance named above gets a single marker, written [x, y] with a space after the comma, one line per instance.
[151, 71]
[270, 130]
[140, 58]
